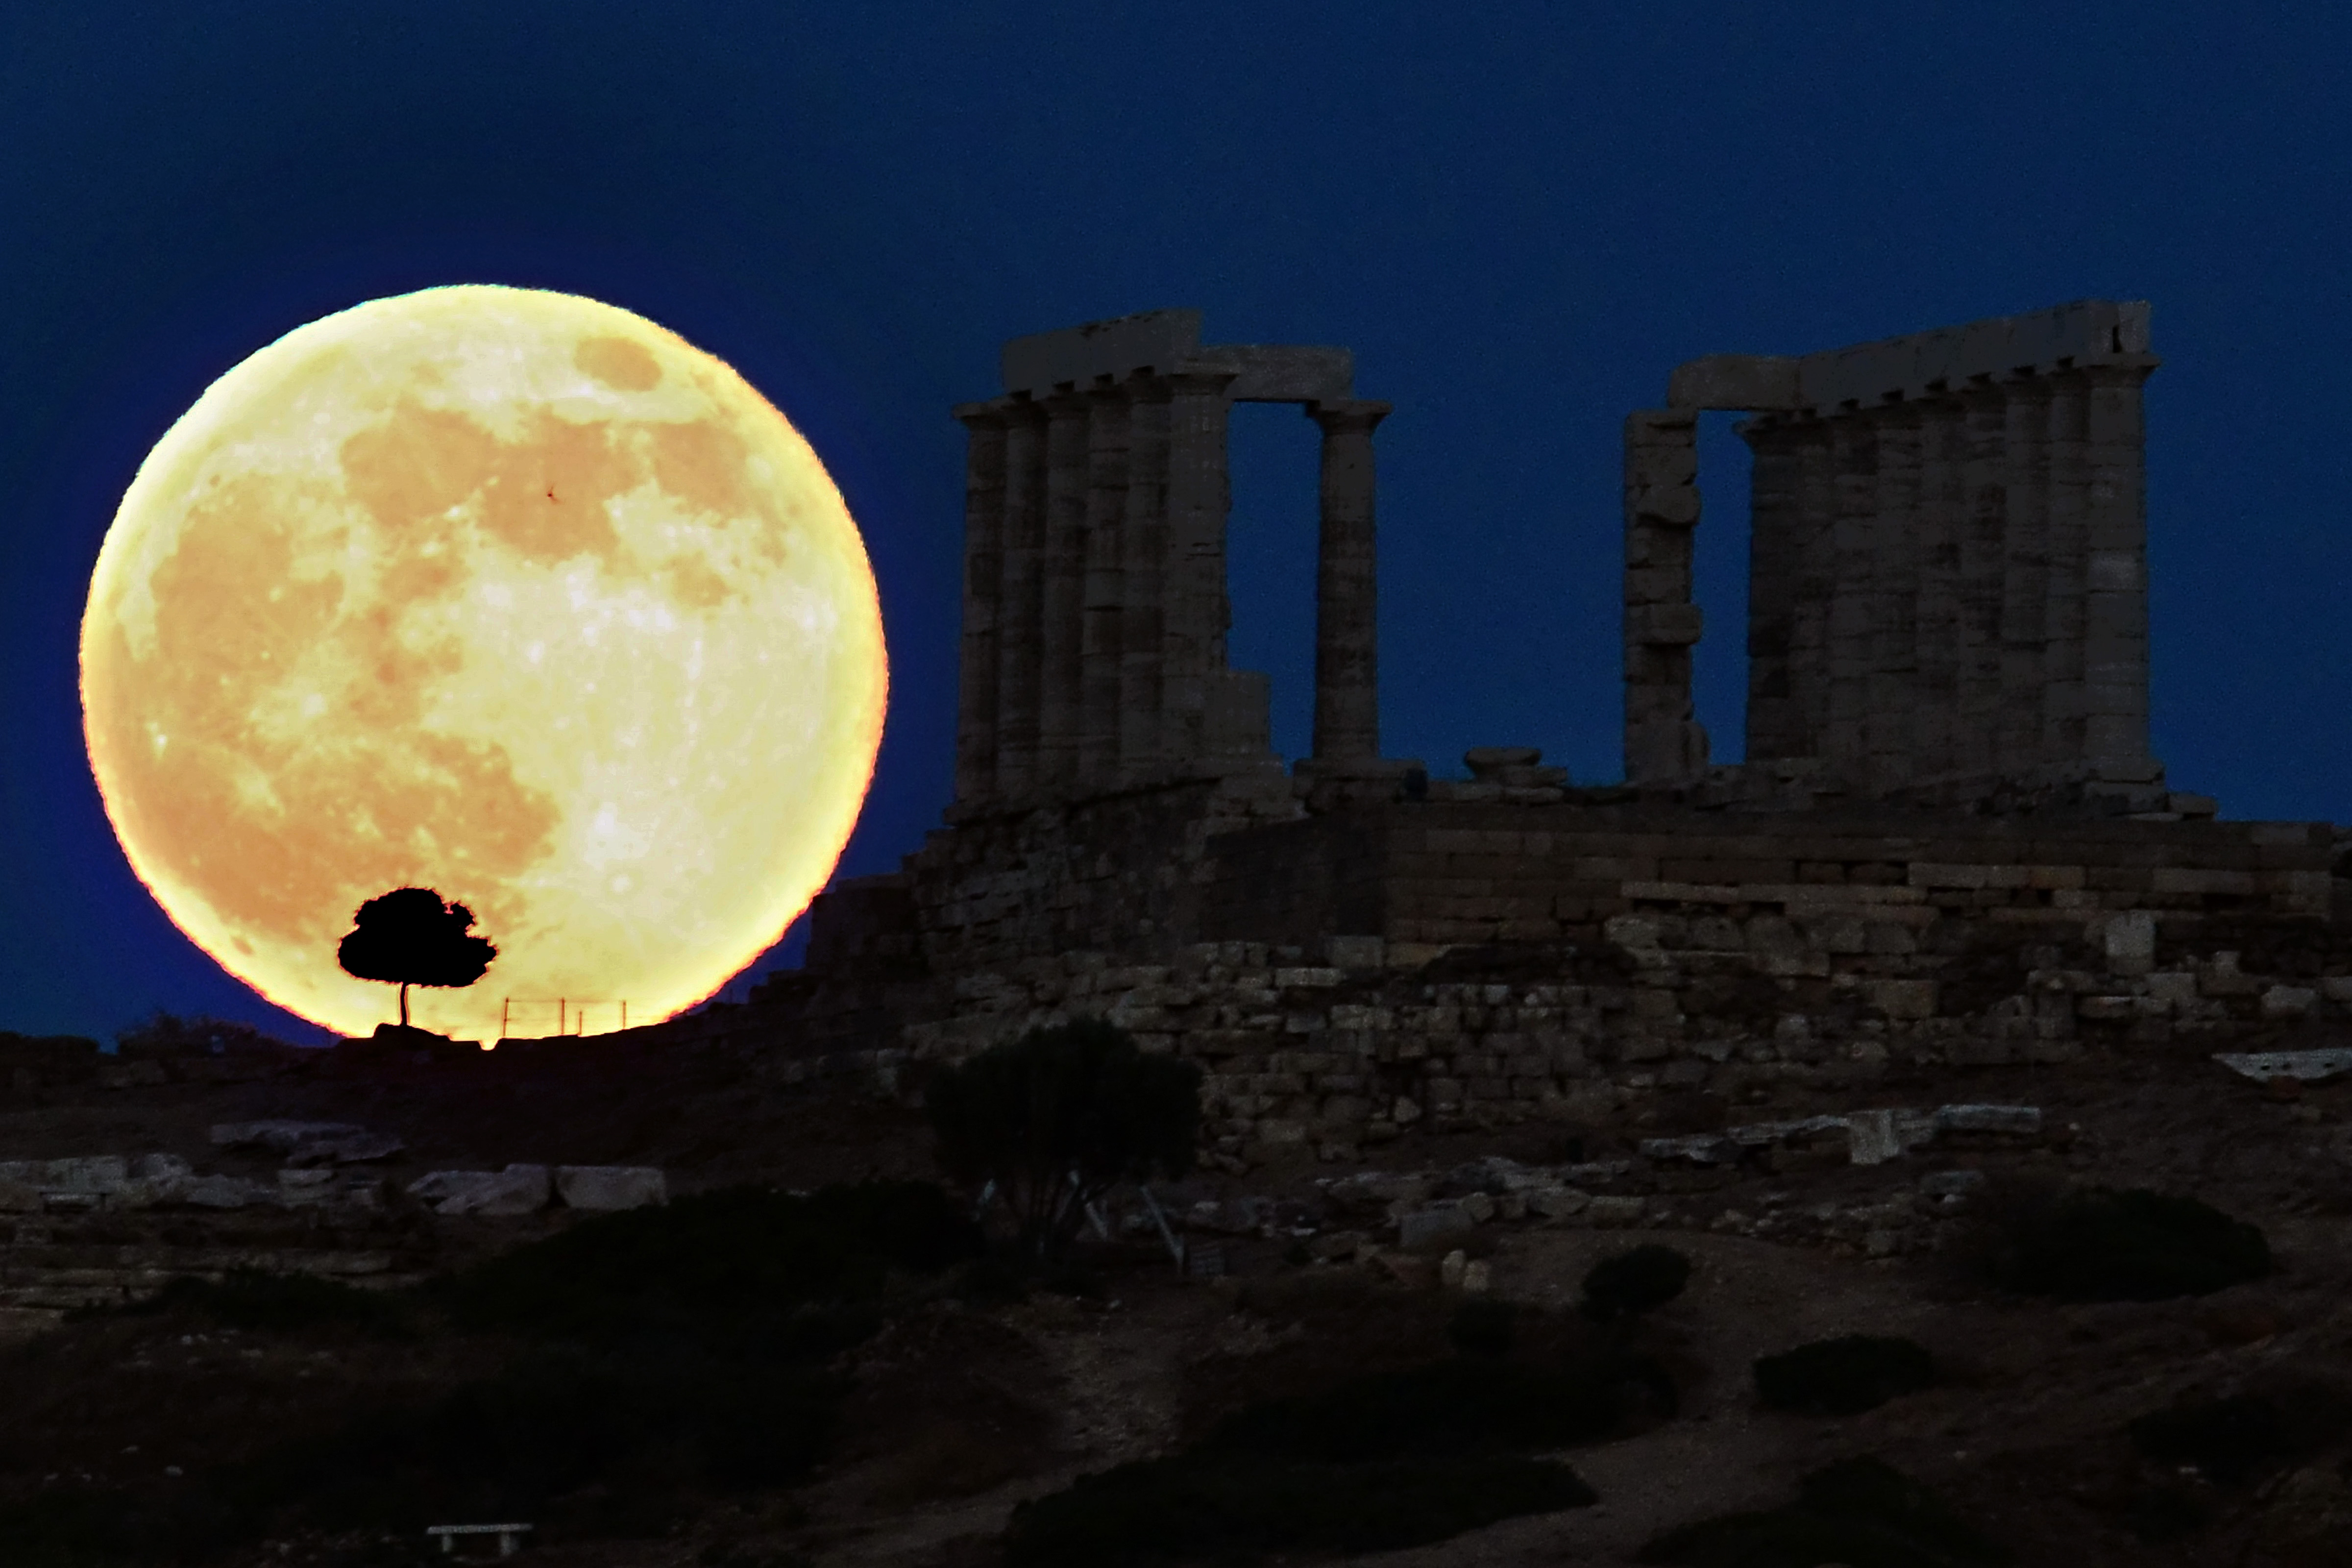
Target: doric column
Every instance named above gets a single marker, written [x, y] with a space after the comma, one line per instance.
[1664, 743]
[1102, 634]
[1891, 695]
[2114, 650]
[1774, 545]
[1143, 546]
[1347, 586]
[1065, 532]
[1984, 522]
[1943, 449]
[1022, 626]
[1197, 612]
[983, 590]
[2025, 566]
[1853, 632]
[1816, 585]
[2061, 585]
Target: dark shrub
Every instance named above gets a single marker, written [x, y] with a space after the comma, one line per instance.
[1059, 1117]
[2238, 1438]
[2096, 1245]
[721, 1263]
[280, 1303]
[1464, 1406]
[1230, 1506]
[1843, 1376]
[1482, 1326]
[1860, 1512]
[1634, 1282]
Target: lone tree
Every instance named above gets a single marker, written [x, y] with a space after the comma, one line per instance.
[409, 937]
[1059, 1117]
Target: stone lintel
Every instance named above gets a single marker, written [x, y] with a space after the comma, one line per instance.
[2076, 336]
[1162, 342]
[1076, 356]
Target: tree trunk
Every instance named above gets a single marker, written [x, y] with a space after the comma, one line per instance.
[404, 1003]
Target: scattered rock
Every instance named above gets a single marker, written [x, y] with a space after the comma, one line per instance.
[608, 1187]
[517, 1190]
[2305, 1067]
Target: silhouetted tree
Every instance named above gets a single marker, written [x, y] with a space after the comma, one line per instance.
[1059, 1117]
[409, 937]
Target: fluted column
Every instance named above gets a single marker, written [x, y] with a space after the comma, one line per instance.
[1774, 527]
[1663, 739]
[1891, 700]
[1853, 631]
[1143, 548]
[1347, 586]
[1984, 520]
[983, 590]
[2063, 586]
[1816, 585]
[2024, 616]
[2114, 652]
[1102, 634]
[1020, 627]
[1058, 703]
[1192, 638]
[1943, 449]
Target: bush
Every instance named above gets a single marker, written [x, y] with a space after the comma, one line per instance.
[1230, 1506]
[1843, 1376]
[2097, 1245]
[283, 1303]
[2237, 1438]
[1482, 1326]
[1633, 1282]
[725, 1263]
[1860, 1512]
[1445, 1408]
[1059, 1117]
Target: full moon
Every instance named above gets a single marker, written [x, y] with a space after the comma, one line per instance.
[507, 593]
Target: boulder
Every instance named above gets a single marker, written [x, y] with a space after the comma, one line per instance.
[606, 1187]
[517, 1190]
[221, 1193]
[301, 1189]
[346, 1149]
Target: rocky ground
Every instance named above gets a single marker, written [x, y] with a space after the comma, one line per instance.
[960, 1409]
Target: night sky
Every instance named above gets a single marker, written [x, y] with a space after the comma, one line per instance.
[1520, 216]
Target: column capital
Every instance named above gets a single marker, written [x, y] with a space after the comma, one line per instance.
[1065, 401]
[991, 413]
[1148, 386]
[1339, 414]
[1201, 382]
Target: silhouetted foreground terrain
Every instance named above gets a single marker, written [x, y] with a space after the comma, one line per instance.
[2126, 1343]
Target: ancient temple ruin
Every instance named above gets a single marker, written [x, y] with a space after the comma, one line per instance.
[1947, 589]
[1095, 601]
[1948, 845]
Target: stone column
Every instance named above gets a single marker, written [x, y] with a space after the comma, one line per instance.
[1664, 744]
[1776, 525]
[1021, 630]
[1943, 447]
[1347, 586]
[1816, 585]
[2061, 585]
[1058, 699]
[1853, 633]
[1984, 520]
[1143, 547]
[2025, 568]
[1197, 612]
[2114, 644]
[1891, 695]
[983, 590]
[1101, 635]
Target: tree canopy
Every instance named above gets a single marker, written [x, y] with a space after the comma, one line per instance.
[410, 937]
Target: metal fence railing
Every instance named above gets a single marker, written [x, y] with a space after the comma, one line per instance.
[569, 1015]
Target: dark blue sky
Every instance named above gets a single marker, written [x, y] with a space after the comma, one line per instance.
[1520, 216]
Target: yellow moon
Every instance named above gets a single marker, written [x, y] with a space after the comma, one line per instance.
[507, 593]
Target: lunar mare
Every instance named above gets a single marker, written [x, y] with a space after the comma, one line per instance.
[509, 593]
